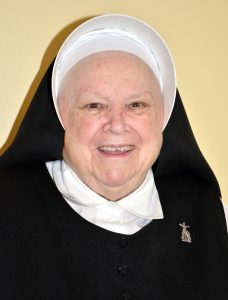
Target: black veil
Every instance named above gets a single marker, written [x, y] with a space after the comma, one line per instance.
[40, 139]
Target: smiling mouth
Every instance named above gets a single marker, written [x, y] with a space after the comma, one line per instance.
[116, 149]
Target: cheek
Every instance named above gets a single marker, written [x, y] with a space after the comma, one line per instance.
[150, 132]
[148, 128]
[81, 131]
[76, 145]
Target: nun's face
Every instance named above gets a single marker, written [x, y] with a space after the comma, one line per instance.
[111, 107]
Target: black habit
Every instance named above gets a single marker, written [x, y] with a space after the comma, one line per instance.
[48, 251]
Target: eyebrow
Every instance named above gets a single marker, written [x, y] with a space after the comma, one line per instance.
[92, 93]
[141, 95]
[144, 94]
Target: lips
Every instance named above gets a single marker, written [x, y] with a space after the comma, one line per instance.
[110, 149]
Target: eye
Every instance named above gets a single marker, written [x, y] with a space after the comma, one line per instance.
[94, 106]
[137, 105]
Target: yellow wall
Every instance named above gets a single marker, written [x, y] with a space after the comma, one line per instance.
[196, 32]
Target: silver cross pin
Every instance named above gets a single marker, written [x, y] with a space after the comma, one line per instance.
[185, 234]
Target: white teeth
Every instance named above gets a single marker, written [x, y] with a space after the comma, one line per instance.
[114, 149]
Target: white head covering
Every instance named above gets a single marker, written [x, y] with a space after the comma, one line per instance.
[118, 32]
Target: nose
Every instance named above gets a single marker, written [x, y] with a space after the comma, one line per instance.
[116, 122]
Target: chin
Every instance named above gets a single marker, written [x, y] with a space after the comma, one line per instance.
[116, 177]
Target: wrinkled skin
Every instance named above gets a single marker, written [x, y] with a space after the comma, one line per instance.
[111, 107]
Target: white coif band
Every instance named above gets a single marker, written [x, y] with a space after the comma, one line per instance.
[123, 33]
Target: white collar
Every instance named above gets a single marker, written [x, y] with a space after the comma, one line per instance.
[128, 215]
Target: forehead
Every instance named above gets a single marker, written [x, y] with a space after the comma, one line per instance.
[107, 57]
[113, 63]
[110, 74]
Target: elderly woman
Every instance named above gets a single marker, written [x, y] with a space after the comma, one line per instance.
[95, 221]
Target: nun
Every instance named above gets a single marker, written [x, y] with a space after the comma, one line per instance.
[104, 191]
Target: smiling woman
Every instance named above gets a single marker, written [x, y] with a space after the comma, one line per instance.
[110, 198]
[112, 138]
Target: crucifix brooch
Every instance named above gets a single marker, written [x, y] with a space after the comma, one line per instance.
[185, 234]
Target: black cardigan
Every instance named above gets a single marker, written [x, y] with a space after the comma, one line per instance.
[49, 252]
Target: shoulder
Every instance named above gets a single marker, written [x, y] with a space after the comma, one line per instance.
[190, 194]
[21, 174]
[22, 187]
[17, 178]
[189, 189]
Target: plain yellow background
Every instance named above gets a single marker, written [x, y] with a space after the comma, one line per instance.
[197, 35]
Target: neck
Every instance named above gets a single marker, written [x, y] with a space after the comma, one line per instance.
[114, 193]
[111, 192]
